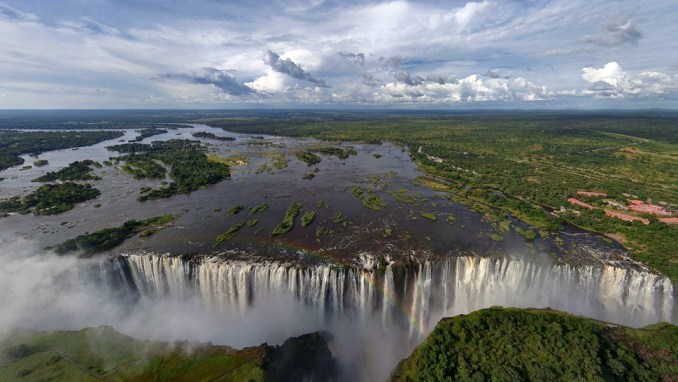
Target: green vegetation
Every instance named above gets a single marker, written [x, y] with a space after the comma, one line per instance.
[109, 238]
[203, 134]
[307, 218]
[228, 235]
[505, 225]
[252, 223]
[190, 168]
[528, 233]
[40, 163]
[288, 221]
[142, 167]
[374, 202]
[307, 157]
[402, 195]
[496, 237]
[235, 209]
[388, 232]
[79, 170]
[102, 354]
[451, 219]
[308, 175]
[526, 164]
[278, 160]
[258, 208]
[540, 345]
[358, 192]
[336, 151]
[50, 199]
[16, 143]
[148, 132]
[429, 216]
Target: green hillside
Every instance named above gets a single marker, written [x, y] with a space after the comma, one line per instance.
[102, 354]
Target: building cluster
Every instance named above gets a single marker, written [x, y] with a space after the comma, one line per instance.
[640, 206]
[635, 205]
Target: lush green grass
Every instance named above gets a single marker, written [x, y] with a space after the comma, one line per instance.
[108, 238]
[525, 164]
[307, 157]
[540, 345]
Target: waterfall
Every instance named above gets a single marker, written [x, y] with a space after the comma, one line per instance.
[415, 296]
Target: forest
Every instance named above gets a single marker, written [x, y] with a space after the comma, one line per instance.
[500, 344]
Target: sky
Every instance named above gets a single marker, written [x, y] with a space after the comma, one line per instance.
[526, 54]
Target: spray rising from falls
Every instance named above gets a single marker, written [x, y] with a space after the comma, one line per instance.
[415, 297]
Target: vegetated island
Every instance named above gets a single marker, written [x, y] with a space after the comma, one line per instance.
[206, 135]
[148, 132]
[50, 199]
[16, 143]
[190, 167]
[500, 344]
[102, 354]
[108, 238]
[526, 165]
[78, 170]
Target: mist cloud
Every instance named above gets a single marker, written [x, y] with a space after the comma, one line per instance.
[290, 68]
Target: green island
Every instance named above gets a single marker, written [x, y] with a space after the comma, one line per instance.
[108, 238]
[148, 132]
[40, 163]
[307, 218]
[204, 134]
[513, 344]
[50, 199]
[103, 354]
[228, 235]
[190, 168]
[16, 143]
[307, 157]
[287, 223]
[331, 150]
[78, 170]
[528, 165]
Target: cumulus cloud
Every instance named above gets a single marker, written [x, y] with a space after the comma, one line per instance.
[615, 34]
[221, 79]
[472, 88]
[290, 68]
[353, 58]
[612, 81]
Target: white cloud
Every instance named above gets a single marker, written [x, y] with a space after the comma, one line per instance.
[612, 81]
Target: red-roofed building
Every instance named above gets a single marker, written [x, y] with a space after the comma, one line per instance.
[669, 220]
[628, 218]
[650, 209]
[636, 202]
[578, 202]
